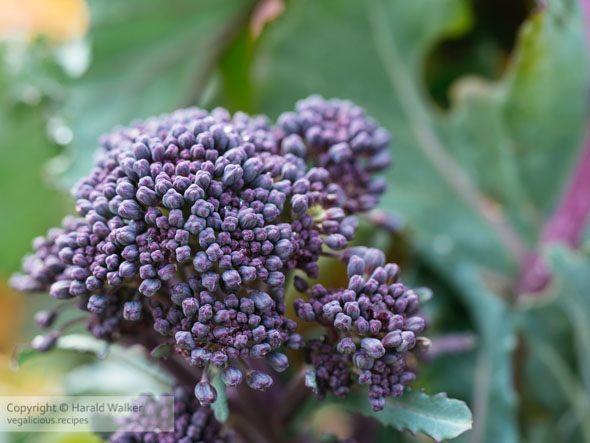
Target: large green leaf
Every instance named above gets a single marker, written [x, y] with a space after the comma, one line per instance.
[571, 287]
[145, 60]
[30, 205]
[466, 182]
[437, 416]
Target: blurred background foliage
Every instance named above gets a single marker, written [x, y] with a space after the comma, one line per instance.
[487, 104]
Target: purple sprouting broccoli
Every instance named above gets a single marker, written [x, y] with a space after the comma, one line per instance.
[338, 136]
[374, 330]
[188, 226]
[192, 422]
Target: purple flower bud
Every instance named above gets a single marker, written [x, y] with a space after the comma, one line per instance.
[205, 393]
[361, 325]
[275, 278]
[150, 286]
[194, 224]
[97, 303]
[128, 269]
[232, 174]
[292, 144]
[247, 305]
[373, 347]
[190, 306]
[342, 322]
[408, 341]
[162, 326]
[393, 339]
[336, 241]
[374, 258]
[147, 197]
[259, 380]
[167, 272]
[184, 340]
[202, 179]
[247, 273]
[340, 153]
[362, 360]
[200, 330]
[210, 281]
[60, 290]
[206, 237]
[205, 313]
[201, 262]
[331, 309]
[147, 271]
[247, 220]
[259, 350]
[270, 212]
[306, 312]
[356, 283]
[172, 199]
[125, 235]
[231, 376]
[262, 300]
[374, 327]
[378, 404]
[130, 209]
[132, 310]
[278, 361]
[283, 249]
[365, 378]
[379, 161]
[346, 346]
[356, 266]
[252, 167]
[231, 279]
[295, 341]
[176, 218]
[193, 193]
[414, 324]
[44, 343]
[45, 319]
[407, 377]
[299, 204]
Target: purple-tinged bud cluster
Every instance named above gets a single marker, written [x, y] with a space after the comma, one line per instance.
[192, 422]
[190, 221]
[339, 137]
[375, 327]
[331, 370]
[194, 195]
[224, 332]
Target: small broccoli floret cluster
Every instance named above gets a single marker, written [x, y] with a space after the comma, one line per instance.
[221, 333]
[373, 330]
[192, 422]
[338, 136]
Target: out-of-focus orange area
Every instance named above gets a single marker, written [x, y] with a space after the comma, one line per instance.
[31, 379]
[59, 20]
[10, 317]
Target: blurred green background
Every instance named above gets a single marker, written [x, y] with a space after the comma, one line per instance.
[487, 104]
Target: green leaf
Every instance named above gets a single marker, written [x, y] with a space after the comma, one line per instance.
[571, 287]
[465, 182]
[220, 407]
[26, 90]
[73, 342]
[163, 350]
[436, 416]
[83, 343]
